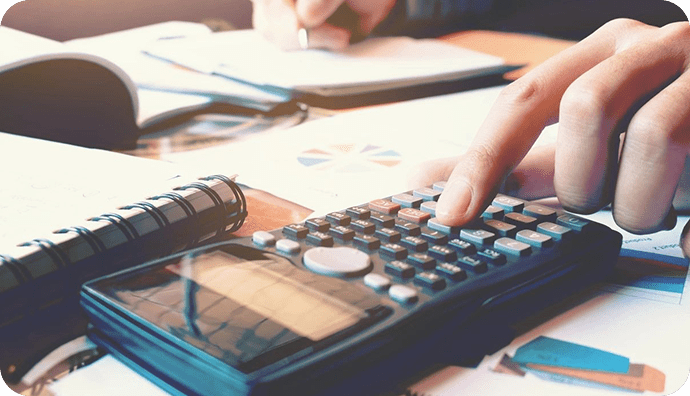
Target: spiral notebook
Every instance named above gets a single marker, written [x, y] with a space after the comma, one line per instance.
[69, 214]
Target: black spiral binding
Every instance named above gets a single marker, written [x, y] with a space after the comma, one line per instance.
[18, 270]
[215, 197]
[240, 201]
[54, 251]
[188, 209]
[92, 239]
[152, 210]
[127, 228]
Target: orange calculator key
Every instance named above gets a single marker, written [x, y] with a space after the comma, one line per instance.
[414, 215]
[384, 206]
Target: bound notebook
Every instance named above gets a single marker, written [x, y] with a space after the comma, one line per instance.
[69, 214]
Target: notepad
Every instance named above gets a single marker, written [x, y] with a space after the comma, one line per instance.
[372, 65]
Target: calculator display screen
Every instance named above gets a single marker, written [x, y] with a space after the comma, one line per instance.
[243, 306]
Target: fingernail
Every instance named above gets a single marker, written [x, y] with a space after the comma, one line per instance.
[454, 202]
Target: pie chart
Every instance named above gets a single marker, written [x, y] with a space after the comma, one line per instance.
[349, 158]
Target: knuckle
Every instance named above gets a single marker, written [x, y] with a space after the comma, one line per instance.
[584, 102]
[522, 91]
[621, 25]
[676, 32]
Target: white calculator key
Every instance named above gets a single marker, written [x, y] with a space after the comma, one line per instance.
[263, 238]
[377, 281]
[337, 261]
[287, 246]
[402, 294]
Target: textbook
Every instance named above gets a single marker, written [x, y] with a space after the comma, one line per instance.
[396, 68]
[69, 214]
[104, 92]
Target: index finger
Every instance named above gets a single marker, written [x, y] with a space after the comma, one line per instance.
[517, 118]
[312, 13]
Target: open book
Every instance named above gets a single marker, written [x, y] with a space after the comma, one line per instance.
[69, 214]
[103, 91]
[399, 66]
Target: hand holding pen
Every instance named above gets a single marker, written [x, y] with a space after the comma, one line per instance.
[318, 24]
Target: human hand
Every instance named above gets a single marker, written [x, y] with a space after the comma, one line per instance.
[330, 23]
[626, 77]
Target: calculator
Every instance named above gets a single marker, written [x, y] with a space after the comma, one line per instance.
[354, 302]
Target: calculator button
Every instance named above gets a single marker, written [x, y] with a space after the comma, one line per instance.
[427, 194]
[408, 228]
[382, 220]
[388, 235]
[263, 238]
[358, 212]
[384, 206]
[393, 251]
[442, 253]
[474, 263]
[320, 225]
[542, 213]
[508, 204]
[501, 228]
[434, 224]
[440, 186]
[522, 221]
[493, 212]
[377, 282]
[367, 242]
[492, 256]
[574, 222]
[363, 226]
[434, 237]
[296, 230]
[338, 218]
[414, 215]
[452, 272]
[338, 261]
[534, 238]
[342, 233]
[557, 232]
[421, 260]
[415, 244]
[463, 247]
[512, 247]
[287, 246]
[320, 239]
[400, 269]
[429, 207]
[430, 280]
[402, 294]
[477, 236]
[407, 200]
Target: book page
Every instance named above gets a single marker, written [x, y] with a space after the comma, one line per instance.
[247, 56]
[18, 45]
[47, 186]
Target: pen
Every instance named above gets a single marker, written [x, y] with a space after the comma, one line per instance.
[302, 31]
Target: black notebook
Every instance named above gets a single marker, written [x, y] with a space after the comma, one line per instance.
[70, 214]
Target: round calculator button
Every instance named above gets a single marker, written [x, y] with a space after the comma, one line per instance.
[377, 281]
[263, 238]
[337, 261]
[287, 246]
[402, 294]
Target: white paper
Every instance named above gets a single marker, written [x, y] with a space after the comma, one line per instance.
[247, 56]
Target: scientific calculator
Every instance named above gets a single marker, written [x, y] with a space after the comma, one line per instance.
[354, 302]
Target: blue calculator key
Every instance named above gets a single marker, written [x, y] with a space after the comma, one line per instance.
[493, 212]
[440, 186]
[571, 221]
[415, 244]
[464, 247]
[521, 221]
[541, 212]
[421, 260]
[393, 251]
[477, 236]
[400, 269]
[434, 224]
[429, 207]
[427, 194]
[407, 200]
[430, 280]
[557, 232]
[451, 271]
[388, 235]
[512, 247]
[534, 238]
[492, 256]
[508, 204]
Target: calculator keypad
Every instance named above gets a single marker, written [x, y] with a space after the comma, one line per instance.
[410, 248]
